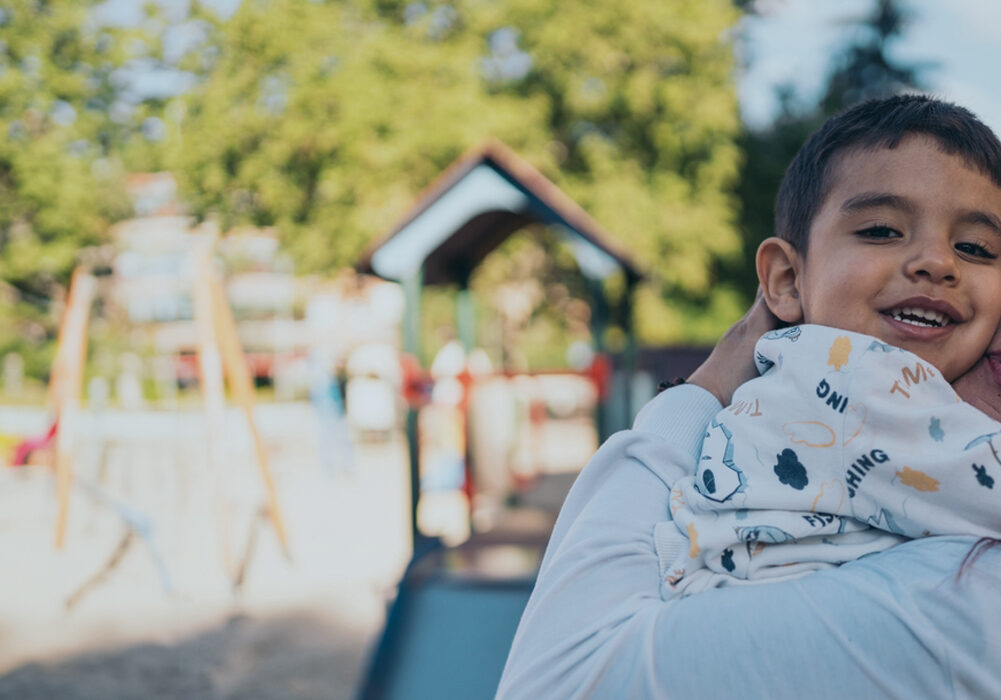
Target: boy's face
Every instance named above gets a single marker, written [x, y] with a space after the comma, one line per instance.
[907, 248]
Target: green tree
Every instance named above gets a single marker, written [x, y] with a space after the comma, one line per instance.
[58, 186]
[864, 69]
[327, 119]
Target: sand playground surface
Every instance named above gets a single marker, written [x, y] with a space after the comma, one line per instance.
[140, 600]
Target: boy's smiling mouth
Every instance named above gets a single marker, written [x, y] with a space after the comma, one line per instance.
[917, 316]
[923, 315]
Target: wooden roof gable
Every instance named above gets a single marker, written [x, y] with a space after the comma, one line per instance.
[474, 205]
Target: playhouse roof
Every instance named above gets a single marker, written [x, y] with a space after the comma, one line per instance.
[474, 205]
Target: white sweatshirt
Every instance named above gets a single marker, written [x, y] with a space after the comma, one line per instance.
[896, 624]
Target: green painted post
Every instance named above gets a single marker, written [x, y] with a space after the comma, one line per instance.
[629, 352]
[412, 345]
[465, 322]
[465, 317]
[599, 323]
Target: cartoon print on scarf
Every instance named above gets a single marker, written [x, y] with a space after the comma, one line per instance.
[917, 480]
[935, 430]
[763, 363]
[830, 497]
[884, 521]
[876, 345]
[719, 484]
[841, 350]
[982, 477]
[811, 433]
[792, 334]
[763, 533]
[790, 470]
[727, 560]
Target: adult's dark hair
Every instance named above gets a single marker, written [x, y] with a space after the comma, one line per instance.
[978, 549]
[880, 123]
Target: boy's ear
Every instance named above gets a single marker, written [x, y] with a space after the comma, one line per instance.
[779, 266]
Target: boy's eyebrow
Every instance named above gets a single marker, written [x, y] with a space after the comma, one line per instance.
[872, 200]
[983, 218]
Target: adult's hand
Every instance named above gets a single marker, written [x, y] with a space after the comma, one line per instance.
[731, 362]
[981, 385]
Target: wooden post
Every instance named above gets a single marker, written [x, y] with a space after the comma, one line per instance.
[65, 386]
[210, 377]
[238, 375]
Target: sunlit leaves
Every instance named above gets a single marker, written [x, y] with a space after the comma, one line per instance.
[327, 120]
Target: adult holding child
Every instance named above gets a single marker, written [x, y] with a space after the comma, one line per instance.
[888, 251]
[910, 180]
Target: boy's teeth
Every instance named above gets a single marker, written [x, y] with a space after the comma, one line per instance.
[919, 317]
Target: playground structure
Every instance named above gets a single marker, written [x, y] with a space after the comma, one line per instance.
[434, 577]
[221, 362]
[450, 626]
[475, 205]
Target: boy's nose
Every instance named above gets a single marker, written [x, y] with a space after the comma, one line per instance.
[936, 263]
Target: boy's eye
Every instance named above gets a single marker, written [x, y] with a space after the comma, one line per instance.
[976, 250]
[878, 232]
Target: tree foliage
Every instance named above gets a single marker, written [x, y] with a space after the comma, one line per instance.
[58, 188]
[327, 119]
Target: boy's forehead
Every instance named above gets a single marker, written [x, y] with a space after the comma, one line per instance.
[846, 166]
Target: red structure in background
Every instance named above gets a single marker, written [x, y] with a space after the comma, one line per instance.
[24, 449]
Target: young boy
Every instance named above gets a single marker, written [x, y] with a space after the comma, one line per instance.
[889, 246]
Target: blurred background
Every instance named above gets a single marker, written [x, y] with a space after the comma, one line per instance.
[310, 312]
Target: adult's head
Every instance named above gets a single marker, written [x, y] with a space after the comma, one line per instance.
[872, 125]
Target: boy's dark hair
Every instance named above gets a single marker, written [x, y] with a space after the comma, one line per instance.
[880, 123]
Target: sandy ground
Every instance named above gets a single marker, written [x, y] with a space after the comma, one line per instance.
[164, 621]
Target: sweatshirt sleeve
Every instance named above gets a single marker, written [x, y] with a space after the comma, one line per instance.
[891, 625]
[600, 573]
